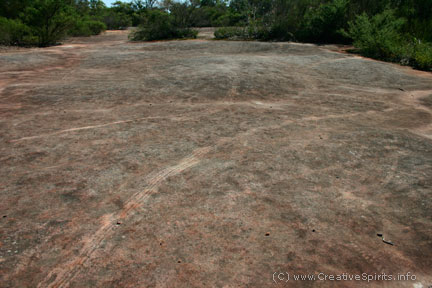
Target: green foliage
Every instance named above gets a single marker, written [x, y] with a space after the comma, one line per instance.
[180, 14]
[49, 20]
[421, 28]
[381, 36]
[14, 32]
[232, 33]
[117, 21]
[87, 27]
[207, 16]
[287, 18]
[12, 8]
[159, 25]
[422, 56]
[324, 24]
[96, 27]
[375, 30]
[250, 32]
[46, 22]
[377, 36]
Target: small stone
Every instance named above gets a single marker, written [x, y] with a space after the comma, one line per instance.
[267, 234]
[379, 234]
[387, 242]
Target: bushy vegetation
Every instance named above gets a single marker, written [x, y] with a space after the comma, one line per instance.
[161, 25]
[46, 22]
[249, 32]
[87, 27]
[325, 24]
[400, 34]
[391, 30]
[378, 36]
[14, 32]
[232, 33]
[382, 36]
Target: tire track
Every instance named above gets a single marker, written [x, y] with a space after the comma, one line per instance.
[64, 274]
[92, 127]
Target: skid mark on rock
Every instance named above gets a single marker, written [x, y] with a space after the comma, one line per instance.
[89, 127]
[255, 104]
[154, 179]
[76, 129]
[64, 274]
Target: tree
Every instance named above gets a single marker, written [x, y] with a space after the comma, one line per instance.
[12, 8]
[97, 7]
[49, 19]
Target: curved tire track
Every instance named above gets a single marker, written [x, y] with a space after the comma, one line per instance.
[64, 274]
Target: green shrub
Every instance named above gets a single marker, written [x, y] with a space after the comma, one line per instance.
[49, 20]
[80, 28]
[96, 27]
[159, 25]
[117, 21]
[279, 32]
[381, 37]
[229, 33]
[14, 32]
[254, 30]
[221, 21]
[422, 56]
[87, 27]
[378, 36]
[324, 24]
[287, 18]
[258, 30]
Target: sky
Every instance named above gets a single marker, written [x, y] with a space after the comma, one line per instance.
[109, 2]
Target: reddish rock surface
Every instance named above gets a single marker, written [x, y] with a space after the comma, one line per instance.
[211, 164]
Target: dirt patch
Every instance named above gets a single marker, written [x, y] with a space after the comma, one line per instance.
[206, 33]
[211, 164]
[427, 101]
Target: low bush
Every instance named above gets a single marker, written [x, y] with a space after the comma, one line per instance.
[50, 20]
[14, 32]
[324, 24]
[159, 25]
[258, 30]
[80, 28]
[96, 27]
[117, 21]
[422, 56]
[378, 36]
[87, 27]
[381, 37]
[253, 31]
[230, 33]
